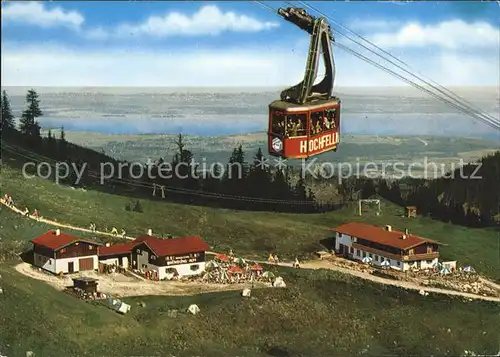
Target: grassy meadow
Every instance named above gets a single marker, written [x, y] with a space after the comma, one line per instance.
[322, 313]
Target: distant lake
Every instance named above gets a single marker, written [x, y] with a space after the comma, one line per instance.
[224, 112]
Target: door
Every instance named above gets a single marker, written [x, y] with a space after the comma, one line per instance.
[71, 267]
[125, 262]
[86, 264]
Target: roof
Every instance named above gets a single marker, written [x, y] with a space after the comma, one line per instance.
[382, 236]
[292, 107]
[174, 246]
[123, 248]
[221, 257]
[235, 270]
[85, 279]
[55, 242]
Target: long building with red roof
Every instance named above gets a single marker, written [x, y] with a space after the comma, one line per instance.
[59, 252]
[385, 246]
[164, 258]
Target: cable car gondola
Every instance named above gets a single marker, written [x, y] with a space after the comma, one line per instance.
[306, 120]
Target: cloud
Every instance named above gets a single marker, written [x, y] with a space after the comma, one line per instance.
[34, 13]
[371, 25]
[51, 65]
[453, 35]
[208, 20]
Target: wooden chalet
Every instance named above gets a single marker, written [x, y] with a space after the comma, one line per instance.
[59, 252]
[385, 246]
[175, 256]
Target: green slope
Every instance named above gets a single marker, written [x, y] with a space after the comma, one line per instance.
[322, 313]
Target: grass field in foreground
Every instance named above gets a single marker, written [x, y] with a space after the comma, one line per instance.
[321, 313]
[252, 234]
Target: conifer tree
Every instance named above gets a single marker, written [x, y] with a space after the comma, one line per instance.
[28, 124]
[7, 116]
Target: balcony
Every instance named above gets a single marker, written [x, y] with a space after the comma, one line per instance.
[424, 256]
[404, 258]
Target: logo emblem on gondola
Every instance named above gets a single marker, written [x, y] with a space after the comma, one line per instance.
[277, 144]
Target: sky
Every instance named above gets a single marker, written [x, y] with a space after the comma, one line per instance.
[240, 43]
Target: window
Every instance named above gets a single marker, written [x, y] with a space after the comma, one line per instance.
[352, 250]
[138, 251]
[63, 250]
[411, 252]
[317, 122]
[145, 266]
[288, 125]
[322, 120]
[194, 267]
[376, 258]
[91, 247]
[278, 123]
[399, 264]
[429, 249]
[359, 253]
[364, 254]
[153, 257]
[296, 125]
[331, 115]
[428, 261]
[370, 255]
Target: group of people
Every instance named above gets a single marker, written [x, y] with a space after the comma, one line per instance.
[114, 231]
[35, 214]
[273, 259]
[295, 125]
[7, 199]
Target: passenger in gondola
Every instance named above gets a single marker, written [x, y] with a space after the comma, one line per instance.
[312, 129]
[318, 127]
[293, 128]
[332, 124]
[326, 123]
[298, 127]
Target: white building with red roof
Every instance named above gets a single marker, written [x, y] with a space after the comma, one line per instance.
[183, 256]
[385, 246]
[59, 252]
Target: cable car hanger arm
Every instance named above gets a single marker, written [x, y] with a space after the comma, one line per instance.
[320, 42]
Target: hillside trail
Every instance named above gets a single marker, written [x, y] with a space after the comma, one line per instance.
[313, 265]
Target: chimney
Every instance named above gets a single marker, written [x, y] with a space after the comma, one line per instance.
[406, 232]
[150, 232]
[107, 244]
[388, 228]
[58, 232]
[403, 236]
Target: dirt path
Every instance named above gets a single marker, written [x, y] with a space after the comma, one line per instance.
[63, 225]
[127, 286]
[161, 290]
[376, 279]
